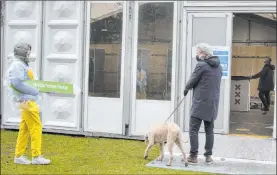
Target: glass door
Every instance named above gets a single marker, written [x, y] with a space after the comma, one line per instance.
[104, 67]
[218, 34]
[153, 64]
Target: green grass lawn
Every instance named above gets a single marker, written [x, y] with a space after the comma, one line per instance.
[79, 155]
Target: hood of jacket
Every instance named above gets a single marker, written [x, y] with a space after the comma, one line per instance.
[213, 61]
[271, 66]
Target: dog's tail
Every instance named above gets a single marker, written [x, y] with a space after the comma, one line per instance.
[180, 138]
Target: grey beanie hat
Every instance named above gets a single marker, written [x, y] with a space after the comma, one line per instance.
[21, 51]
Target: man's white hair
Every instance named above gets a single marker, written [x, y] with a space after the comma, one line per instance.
[206, 49]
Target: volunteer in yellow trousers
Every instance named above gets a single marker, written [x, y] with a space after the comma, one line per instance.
[25, 97]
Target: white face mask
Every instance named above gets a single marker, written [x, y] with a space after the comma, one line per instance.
[30, 57]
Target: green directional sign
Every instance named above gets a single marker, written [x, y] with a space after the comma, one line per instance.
[50, 86]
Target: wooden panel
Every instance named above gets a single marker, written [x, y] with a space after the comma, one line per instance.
[159, 53]
[250, 66]
[156, 64]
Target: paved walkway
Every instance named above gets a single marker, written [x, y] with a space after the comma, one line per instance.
[239, 147]
[232, 155]
[252, 122]
[221, 166]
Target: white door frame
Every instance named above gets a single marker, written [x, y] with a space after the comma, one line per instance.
[133, 124]
[86, 74]
[189, 69]
[274, 122]
[216, 7]
[86, 65]
[1, 66]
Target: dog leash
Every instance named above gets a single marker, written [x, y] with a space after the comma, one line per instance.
[175, 109]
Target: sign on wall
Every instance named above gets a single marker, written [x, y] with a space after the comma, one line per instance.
[223, 54]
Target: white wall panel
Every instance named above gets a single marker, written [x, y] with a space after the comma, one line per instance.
[22, 24]
[62, 61]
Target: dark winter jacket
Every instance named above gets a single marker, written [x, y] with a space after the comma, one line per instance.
[205, 82]
[266, 75]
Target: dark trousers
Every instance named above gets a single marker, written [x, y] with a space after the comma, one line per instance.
[265, 98]
[194, 126]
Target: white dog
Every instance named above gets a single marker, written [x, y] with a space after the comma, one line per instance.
[169, 133]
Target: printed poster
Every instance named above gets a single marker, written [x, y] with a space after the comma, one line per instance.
[223, 54]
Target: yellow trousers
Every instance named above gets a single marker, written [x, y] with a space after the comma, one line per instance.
[29, 125]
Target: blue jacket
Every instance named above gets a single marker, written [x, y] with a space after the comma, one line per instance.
[19, 72]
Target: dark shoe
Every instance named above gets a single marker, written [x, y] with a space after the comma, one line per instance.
[265, 109]
[209, 160]
[192, 159]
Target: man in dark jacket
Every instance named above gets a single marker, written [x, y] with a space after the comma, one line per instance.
[266, 83]
[205, 82]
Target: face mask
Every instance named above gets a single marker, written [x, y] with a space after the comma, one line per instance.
[197, 58]
[28, 54]
[27, 58]
[30, 58]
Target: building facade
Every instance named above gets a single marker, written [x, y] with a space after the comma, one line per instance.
[130, 59]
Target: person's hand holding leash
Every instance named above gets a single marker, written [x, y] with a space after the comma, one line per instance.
[185, 92]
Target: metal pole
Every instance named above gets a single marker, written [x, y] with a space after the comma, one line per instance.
[274, 123]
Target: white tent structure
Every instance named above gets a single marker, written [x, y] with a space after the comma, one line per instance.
[59, 32]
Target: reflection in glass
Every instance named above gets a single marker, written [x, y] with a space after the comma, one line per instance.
[105, 49]
[154, 61]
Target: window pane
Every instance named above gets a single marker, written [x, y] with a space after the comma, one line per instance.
[154, 62]
[105, 49]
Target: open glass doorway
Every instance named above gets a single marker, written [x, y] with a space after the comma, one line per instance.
[254, 40]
